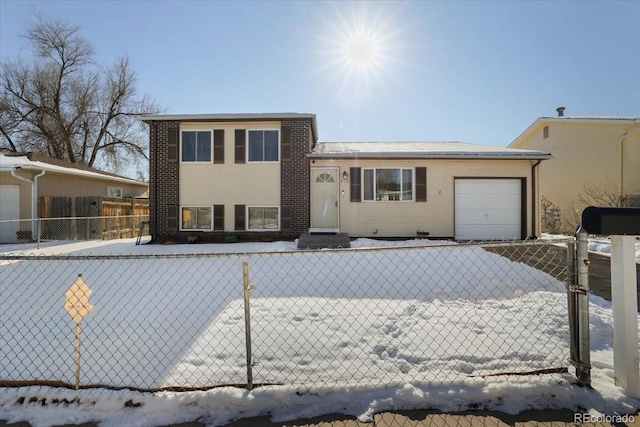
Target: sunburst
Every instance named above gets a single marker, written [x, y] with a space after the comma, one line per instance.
[360, 50]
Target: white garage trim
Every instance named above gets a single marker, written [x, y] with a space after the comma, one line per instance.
[9, 210]
[489, 209]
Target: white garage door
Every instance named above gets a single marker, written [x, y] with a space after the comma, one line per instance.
[488, 209]
[9, 209]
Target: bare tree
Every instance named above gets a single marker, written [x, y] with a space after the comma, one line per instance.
[63, 104]
[599, 194]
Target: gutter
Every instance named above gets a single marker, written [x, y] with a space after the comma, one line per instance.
[34, 197]
[621, 144]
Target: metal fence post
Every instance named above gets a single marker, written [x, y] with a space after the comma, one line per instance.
[572, 301]
[248, 287]
[583, 367]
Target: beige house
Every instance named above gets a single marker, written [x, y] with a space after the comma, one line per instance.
[435, 189]
[24, 178]
[592, 157]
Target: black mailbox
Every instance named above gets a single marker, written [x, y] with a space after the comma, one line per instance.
[611, 221]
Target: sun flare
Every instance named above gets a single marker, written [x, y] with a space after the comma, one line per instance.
[361, 50]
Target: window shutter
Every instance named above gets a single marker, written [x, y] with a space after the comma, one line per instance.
[218, 146]
[240, 221]
[172, 219]
[172, 145]
[240, 146]
[285, 143]
[356, 192]
[218, 217]
[421, 184]
[285, 218]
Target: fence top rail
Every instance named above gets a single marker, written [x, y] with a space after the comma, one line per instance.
[14, 255]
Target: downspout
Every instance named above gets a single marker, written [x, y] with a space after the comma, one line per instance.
[34, 197]
[621, 144]
[534, 199]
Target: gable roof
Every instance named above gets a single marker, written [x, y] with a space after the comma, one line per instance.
[624, 121]
[40, 162]
[420, 150]
[234, 117]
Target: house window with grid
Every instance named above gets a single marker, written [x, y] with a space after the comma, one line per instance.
[262, 218]
[195, 218]
[263, 146]
[387, 184]
[196, 146]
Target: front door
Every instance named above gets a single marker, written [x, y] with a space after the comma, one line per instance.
[324, 199]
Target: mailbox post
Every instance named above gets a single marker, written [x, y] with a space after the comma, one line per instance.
[622, 224]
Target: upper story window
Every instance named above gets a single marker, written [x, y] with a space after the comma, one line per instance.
[196, 146]
[264, 145]
[385, 184]
[545, 132]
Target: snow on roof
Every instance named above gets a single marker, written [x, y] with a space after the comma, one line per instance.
[431, 150]
[22, 161]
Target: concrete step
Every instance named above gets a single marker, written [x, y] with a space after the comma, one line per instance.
[322, 240]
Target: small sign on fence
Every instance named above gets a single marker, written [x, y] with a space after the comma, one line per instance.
[78, 306]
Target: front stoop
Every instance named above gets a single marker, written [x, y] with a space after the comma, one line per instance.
[322, 241]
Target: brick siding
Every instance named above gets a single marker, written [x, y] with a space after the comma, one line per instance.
[294, 176]
[163, 179]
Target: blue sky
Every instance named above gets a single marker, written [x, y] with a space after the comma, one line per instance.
[477, 72]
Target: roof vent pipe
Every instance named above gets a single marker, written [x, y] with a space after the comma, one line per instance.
[560, 111]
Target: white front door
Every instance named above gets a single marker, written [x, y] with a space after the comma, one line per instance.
[324, 199]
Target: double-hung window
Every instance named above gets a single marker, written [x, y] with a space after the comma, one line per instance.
[263, 218]
[196, 218]
[196, 146]
[388, 184]
[264, 145]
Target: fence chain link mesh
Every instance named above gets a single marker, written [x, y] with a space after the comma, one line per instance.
[425, 315]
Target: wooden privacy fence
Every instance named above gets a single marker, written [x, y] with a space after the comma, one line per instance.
[91, 217]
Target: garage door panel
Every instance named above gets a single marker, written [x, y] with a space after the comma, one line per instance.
[488, 209]
[481, 217]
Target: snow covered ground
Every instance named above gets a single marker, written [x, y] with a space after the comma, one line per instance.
[459, 314]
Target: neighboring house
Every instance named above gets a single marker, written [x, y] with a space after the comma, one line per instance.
[227, 177]
[590, 155]
[26, 177]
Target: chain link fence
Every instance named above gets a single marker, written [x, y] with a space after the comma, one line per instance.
[425, 315]
[41, 230]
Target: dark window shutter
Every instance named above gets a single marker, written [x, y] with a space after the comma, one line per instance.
[240, 145]
[218, 146]
[356, 183]
[172, 145]
[421, 184]
[285, 143]
[172, 219]
[218, 217]
[285, 218]
[240, 221]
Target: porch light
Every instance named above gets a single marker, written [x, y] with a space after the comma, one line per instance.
[345, 176]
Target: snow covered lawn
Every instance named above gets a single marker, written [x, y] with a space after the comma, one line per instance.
[356, 332]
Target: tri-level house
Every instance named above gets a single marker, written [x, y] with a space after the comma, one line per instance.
[240, 177]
